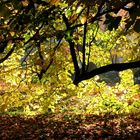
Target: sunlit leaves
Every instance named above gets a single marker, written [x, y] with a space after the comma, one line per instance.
[44, 50]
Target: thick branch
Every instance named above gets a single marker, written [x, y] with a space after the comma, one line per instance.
[71, 44]
[74, 58]
[107, 68]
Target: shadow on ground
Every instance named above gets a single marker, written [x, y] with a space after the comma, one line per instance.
[69, 127]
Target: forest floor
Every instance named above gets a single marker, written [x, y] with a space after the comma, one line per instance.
[69, 127]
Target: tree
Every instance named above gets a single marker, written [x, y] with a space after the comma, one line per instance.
[38, 28]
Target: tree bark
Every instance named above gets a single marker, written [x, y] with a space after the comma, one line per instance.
[107, 68]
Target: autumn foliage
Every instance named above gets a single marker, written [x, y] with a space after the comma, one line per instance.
[69, 69]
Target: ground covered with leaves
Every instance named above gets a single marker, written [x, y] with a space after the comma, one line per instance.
[67, 127]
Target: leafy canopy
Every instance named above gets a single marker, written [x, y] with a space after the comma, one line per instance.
[40, 40]
[33, 30]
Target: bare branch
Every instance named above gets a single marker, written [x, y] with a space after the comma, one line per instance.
[107, 68]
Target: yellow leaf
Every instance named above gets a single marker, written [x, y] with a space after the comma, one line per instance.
[83, 19]
[79, 9]
[12, 33]
[54, 2]
[25, 3]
